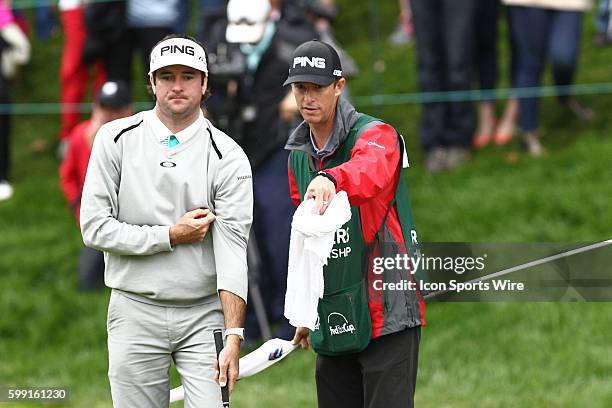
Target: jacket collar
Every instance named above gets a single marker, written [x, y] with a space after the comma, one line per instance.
[346, 116]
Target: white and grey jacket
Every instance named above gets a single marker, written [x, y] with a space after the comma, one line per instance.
[136, 188]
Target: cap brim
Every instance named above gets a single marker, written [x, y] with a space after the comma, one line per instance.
[314, 79]
[242, 33]
[183, 59]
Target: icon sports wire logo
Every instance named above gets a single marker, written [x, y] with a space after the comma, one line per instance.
[344, 327]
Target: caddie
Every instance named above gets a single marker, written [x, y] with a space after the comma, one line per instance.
[168, 198]
[366, 339]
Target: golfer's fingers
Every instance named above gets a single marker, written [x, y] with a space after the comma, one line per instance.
[305, 343]
[223, 373]
[209, 218]
[232, 374]
[197, 213]
[216, 370]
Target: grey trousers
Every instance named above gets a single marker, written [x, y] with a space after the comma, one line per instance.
[142, 341]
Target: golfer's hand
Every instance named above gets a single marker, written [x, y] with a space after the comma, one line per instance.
[301, 337]
[226, 368]
[191, 227]
[323, 191]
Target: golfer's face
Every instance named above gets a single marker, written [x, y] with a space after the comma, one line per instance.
[316, 103]
[178, 90]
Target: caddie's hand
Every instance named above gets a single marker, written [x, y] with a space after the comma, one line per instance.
[301, 337]
[191, 227]
[227, 367]
[323, 191]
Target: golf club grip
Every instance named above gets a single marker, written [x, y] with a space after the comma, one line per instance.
[219, 346]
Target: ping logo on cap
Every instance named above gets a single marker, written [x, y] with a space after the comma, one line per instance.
[315, 62]
[173, 49]
[178, 51]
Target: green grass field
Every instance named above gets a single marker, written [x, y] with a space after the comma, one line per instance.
[472, 354]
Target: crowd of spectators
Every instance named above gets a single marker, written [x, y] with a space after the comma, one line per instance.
[457, 48]
[249, 44]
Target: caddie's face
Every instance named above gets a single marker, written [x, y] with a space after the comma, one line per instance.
[317, 103]
[178, 90]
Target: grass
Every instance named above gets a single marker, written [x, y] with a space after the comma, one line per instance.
[472, 354]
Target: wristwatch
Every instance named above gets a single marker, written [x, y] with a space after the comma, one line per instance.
[328, 176]
[238, 331]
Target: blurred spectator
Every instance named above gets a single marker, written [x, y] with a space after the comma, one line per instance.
[603, 24]
[14, 51]
[489, 128]
[268, 110]
[105, 24]
[404, 30]
[322, 13]
[74, 74]
[112, 102]
[148, 21]
[485, 56]
[444, 32]
[182, 20]
[117, 29]
[541, 29]
[44, 19]
[210, 13]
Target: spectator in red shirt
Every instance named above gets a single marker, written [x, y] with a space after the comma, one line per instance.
[112, 102]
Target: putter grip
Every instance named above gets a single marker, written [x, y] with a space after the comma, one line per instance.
[219, 346]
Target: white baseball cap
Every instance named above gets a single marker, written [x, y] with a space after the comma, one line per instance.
[246, 20]
[178, 51]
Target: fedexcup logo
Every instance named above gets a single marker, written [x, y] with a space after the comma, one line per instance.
[344, 327]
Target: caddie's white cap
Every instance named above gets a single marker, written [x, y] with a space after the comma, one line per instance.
[178, 51]
[247, 20]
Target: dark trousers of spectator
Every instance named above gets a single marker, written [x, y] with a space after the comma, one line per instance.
[209, 12]
[90, 274]
[272, 226]
[485, 52]
[539, 33]
[444, 32]
[382, 375]
[118, 61]
[5, 129]
[602, 17]
[74, 74]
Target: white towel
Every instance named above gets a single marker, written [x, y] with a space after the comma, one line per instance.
[312, 239]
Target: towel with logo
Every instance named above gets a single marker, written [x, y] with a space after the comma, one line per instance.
[312, 239]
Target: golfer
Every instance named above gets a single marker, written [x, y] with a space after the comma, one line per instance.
[168, 198]
[367, 340]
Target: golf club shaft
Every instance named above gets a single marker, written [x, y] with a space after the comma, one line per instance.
[219, 346]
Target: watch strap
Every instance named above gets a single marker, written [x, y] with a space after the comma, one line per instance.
[238, 331]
